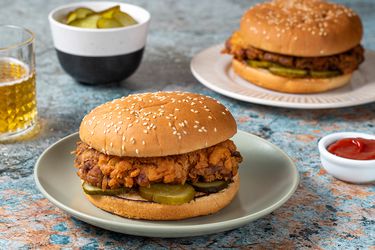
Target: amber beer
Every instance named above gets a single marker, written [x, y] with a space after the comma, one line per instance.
[18, 112]
[17, 96]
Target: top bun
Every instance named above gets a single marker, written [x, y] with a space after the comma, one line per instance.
[306, 28]
[157, 124]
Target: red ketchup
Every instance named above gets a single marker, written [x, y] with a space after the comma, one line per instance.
[354, 148]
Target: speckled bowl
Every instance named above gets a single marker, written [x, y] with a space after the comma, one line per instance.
[97, 56]
[355, 171]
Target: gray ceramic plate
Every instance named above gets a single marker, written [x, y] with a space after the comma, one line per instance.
[268, 179]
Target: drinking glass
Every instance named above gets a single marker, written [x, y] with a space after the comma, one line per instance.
[18, 111]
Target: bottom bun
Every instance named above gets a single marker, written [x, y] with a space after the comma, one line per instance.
[265, 79]
[141, 209]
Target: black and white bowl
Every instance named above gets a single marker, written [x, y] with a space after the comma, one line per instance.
[98, 56]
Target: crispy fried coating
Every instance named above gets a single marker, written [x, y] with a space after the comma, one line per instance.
[219, 162]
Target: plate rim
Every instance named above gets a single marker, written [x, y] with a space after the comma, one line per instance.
[148, 229]
[272, 103]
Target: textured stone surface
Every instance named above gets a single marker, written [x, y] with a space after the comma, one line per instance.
[323, 213]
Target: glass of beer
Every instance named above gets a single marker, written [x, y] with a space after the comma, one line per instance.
[18, 112]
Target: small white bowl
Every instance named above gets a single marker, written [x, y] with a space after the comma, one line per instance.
[99, 55]
[355, 171]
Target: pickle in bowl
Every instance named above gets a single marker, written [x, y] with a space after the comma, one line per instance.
[109, 18]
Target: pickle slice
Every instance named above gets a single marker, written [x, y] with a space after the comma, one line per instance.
[260, 64]
[108, 13]
[210, 187]
[123, 18]
[87, 22]
[78, 13]
[92, 190]
[324, 74]
[168, 193]
[107, 23]
[288, 72]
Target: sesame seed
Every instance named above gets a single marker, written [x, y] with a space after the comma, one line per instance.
[210, 117]
[137, 151]
[215, 130]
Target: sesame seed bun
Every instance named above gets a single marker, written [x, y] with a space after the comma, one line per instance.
[136, 207]
[305, 28]
[265, 79]
[157, 124]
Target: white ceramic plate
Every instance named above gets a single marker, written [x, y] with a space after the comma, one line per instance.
[268, 179]
[213, 69]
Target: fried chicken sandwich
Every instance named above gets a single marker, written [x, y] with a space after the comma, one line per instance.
[159, 156]
[297, 46]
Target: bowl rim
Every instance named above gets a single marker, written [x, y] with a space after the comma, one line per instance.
[344, 162]
[87, 4]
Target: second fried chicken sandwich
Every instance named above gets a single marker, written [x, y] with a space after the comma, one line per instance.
[159, 156]
[297, 46]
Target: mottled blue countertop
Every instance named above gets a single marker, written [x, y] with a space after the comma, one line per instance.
[323, 213]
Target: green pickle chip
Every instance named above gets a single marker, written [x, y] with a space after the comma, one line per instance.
[87, 22]
[92, 190]
[324, 74]
[210, 187]
[288, 72]
[124, 19]
[109, 18]
[260, 64]
[108, 13]
[168, 193]
[107, 23]
[78, 14]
